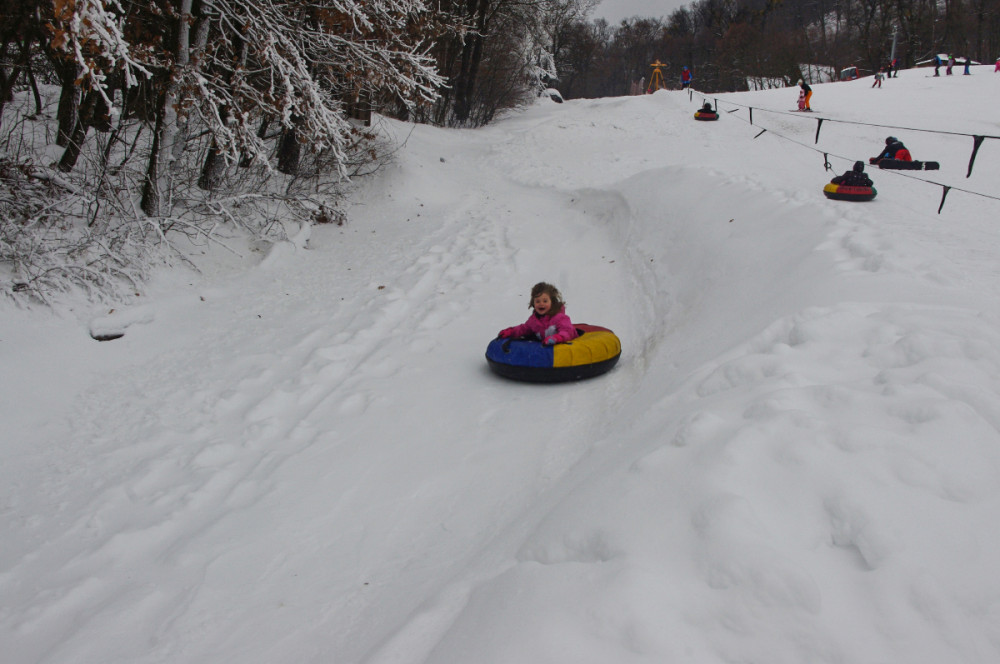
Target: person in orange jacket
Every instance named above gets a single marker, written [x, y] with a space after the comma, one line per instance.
[808, 93]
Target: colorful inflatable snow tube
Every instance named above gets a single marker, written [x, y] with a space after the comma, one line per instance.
[840, 192]
[594, 352]
[702, 114]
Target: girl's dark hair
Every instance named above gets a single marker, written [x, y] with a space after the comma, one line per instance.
[553, 293]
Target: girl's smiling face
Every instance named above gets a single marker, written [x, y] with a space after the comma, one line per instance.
[542, 304]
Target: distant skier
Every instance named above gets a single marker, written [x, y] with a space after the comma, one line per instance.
[878, 79]
[937, 65]
[686, 78]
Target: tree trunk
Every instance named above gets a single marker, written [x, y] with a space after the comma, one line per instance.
[465, 84]
[158, 172]
[213, 169]
[7, 87]
[100, 117]
[34, 89]
[74, 146]
[69, 103]
[261, 134]
[289, 150]
[477, 57]
[198, 40]
[83, 122]
[151, 194]
[8, 80]
[465, 80]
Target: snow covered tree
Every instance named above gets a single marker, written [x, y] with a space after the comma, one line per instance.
[185, 89]
[550, 29]
[500, 56]
[228, 64]
[298, 63]
[85, 41]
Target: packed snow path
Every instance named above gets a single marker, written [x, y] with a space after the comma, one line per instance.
[797, 459]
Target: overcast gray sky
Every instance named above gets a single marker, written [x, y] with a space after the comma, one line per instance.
[614, 11]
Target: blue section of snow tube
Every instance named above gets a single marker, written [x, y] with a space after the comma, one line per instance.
[520, 352]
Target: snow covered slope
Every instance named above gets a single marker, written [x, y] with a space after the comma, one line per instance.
[304, 458]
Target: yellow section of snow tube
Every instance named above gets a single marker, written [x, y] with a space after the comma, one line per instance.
[594, 346]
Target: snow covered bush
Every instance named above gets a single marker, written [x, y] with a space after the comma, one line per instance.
[56, 237]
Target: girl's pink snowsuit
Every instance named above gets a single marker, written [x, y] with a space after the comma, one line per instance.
[543, 327]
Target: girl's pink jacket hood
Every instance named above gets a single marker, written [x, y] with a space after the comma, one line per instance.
[543, 327]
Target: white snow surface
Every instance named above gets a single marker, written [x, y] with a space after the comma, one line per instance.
[305, 459]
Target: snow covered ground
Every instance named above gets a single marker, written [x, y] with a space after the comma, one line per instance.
[300, 455]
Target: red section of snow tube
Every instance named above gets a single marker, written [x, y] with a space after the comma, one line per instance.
[839, 192]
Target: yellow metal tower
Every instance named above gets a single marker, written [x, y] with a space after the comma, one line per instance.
[656, 81]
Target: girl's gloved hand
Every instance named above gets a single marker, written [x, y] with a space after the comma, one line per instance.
[551, 341]
[504, 333]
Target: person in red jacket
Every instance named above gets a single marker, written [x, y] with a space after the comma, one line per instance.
[686, 78]
[548, 322]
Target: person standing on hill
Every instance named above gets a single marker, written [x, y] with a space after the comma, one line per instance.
[937, 65]
[808, 91]
[951, 63]
[686, 78]
[966, 72]
[878, 79]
